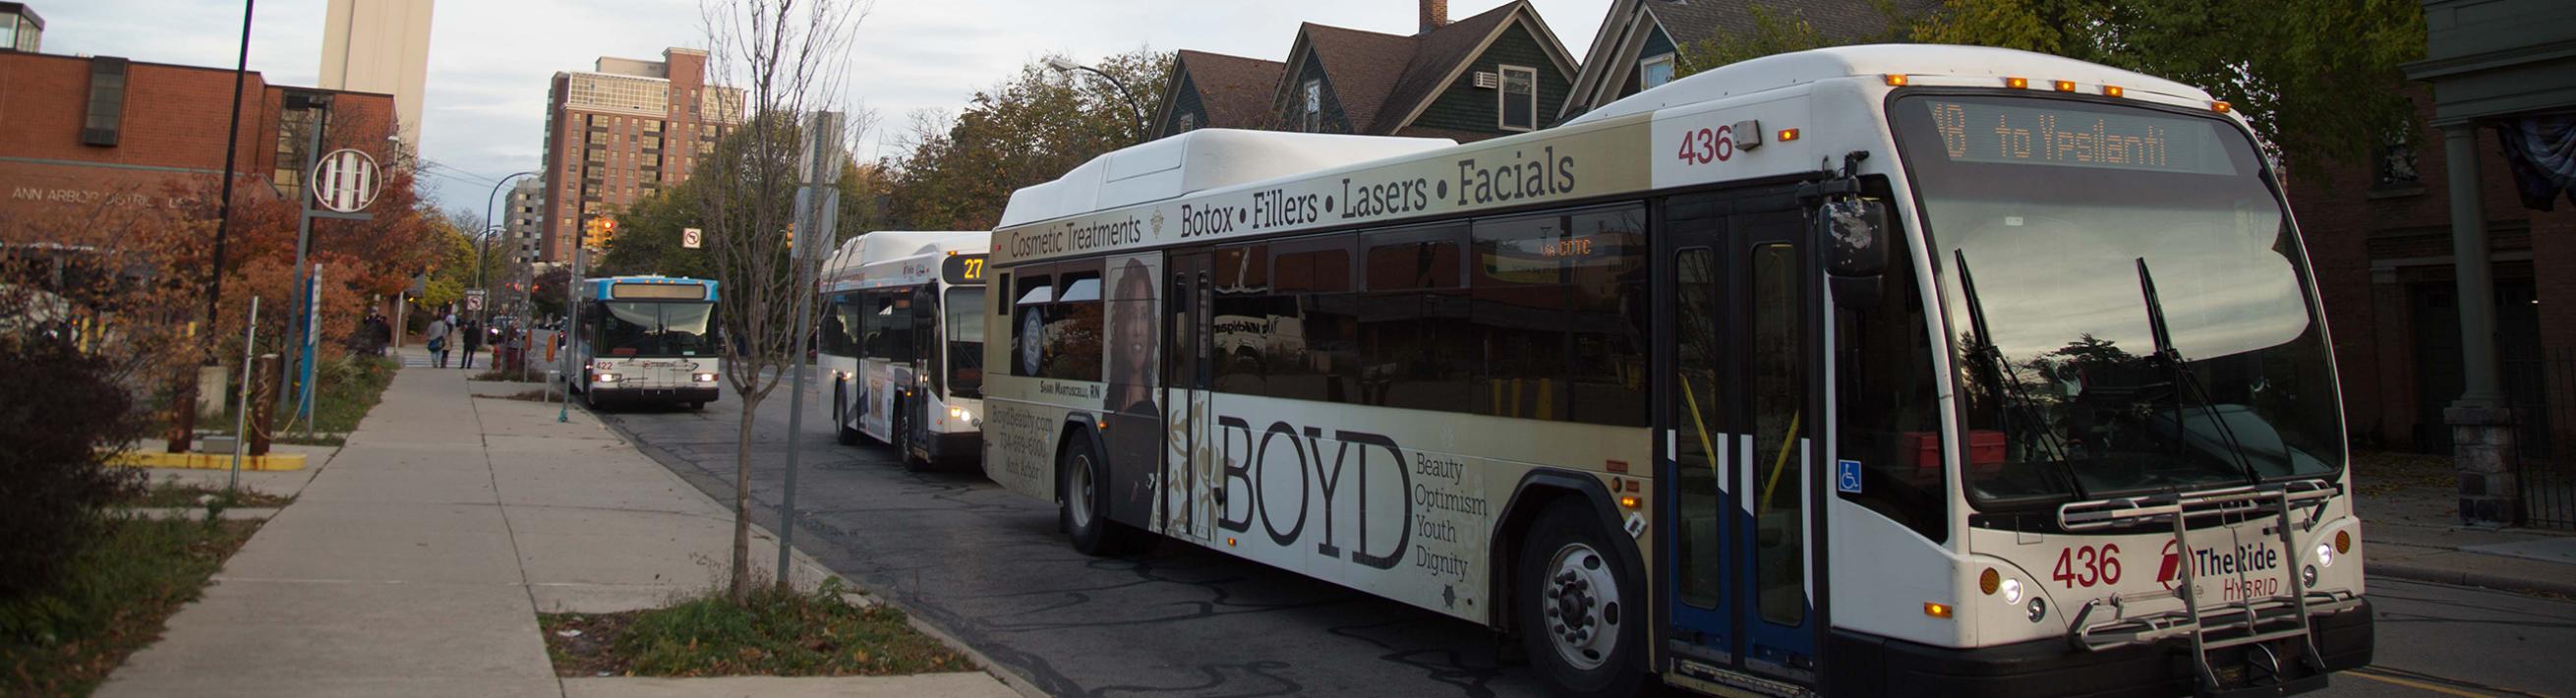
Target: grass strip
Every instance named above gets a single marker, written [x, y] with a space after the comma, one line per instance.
[173, 494]
[779, 633]
[113, 601]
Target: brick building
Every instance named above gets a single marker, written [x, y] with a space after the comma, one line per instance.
[2379, 235]
[622, 132]
[78, 133]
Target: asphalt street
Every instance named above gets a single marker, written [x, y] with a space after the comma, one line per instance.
[990, 567]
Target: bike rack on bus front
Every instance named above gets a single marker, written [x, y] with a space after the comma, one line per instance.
[2223, 624]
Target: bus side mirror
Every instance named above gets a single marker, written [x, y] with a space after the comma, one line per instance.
[1854, 234]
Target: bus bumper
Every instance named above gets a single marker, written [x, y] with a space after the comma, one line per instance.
[955, 447]
[661, 395]
[1875, 666]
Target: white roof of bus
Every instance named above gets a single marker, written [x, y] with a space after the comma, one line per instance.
[1216, 158]
[1786, 69]
[1198, 161]
[882, 245]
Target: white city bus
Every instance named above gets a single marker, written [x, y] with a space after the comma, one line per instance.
[647, 339]
[1907, 370]
[903, 335]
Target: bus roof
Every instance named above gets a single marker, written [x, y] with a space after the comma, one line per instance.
[1197, 161]
[881, 245]
[899, 257]
[605, 286]
[1874, 60]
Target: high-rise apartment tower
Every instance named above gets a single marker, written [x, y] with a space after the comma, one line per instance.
[624, 131]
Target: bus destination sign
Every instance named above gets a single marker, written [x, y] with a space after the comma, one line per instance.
[963, 270]
[2129, 139]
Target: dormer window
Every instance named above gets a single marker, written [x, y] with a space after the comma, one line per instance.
[1314, 114]
[1654, 72]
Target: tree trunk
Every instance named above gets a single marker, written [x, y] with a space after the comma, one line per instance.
[741, 591]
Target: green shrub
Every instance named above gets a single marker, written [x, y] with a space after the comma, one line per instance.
[57, 410]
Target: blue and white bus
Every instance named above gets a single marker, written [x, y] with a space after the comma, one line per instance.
[647, 340]
[1874, 370]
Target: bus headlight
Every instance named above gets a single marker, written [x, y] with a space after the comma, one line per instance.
[960, 413]
[2325, 555]
[2309, 575]
[703, 377]
[604, 377]
[2012, 591]
[2038, 609]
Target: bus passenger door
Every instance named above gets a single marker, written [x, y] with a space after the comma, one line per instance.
[1190, 465]
[1734, 419]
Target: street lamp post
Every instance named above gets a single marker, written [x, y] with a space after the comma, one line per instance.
[1067, 65]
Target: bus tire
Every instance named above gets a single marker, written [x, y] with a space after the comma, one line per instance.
[1082, 507]
[1578, 612]
[901, 435]
[842, 432]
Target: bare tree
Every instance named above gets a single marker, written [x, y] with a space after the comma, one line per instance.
[778, 59]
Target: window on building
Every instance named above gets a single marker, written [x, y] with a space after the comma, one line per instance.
[106, 113]
[1189, 122]
[1654, 72]
[1519, 98]
[1314, 112]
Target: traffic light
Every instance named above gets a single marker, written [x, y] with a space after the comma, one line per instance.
[596, 231]
[791, 235]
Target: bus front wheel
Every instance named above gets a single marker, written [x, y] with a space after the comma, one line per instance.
[1577, 610]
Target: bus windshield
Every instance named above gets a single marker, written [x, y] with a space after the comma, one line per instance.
[642, 328]
[2129, 306]
[966, 342]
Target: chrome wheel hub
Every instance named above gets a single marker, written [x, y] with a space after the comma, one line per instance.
[1580, 606]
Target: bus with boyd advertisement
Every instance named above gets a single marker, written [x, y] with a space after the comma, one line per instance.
[902, 333]
[1875, 370]
[646, 339]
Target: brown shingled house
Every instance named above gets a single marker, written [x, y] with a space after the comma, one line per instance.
[1496, 73]
[1639, 41]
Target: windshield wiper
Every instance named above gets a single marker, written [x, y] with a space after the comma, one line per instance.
[2005, 382]
[2186, 380]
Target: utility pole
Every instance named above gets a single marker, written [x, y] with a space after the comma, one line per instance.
[818, 205]
[186, 417]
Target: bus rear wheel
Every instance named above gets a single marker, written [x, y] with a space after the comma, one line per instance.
[902, 437]
[1082, 508]
[842, 432]
[1575, 606]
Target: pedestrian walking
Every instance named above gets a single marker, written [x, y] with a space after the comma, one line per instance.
[473, 342]
[439, 329]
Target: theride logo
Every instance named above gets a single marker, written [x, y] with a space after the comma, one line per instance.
[2170, 573]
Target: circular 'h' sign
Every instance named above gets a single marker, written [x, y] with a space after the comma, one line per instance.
[345, 181]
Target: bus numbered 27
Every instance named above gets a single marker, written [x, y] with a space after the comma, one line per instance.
[646, 340]
[902, 334]
[1877, 370]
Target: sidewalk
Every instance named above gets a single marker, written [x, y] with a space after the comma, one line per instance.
[415, 560]
[2411, 518]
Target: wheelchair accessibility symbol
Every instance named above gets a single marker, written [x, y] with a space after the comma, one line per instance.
[1847, 476]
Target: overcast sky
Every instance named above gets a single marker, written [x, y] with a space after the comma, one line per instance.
[490, 59]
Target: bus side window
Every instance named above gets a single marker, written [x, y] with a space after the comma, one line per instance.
[1242, 337]
[1071, 347]
[1884, 391]
[1028, 323]
[1311, 280]
[1519, 298]
[1412, 318]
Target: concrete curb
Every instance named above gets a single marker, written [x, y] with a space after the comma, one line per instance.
[230, 514]
[2439, 575]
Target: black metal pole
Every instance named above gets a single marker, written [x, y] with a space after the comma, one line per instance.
[224, 211]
